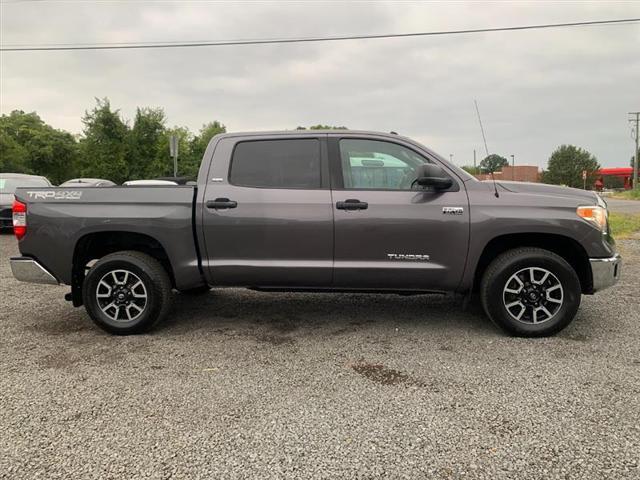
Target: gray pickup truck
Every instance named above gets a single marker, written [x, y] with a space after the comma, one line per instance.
[341, 211]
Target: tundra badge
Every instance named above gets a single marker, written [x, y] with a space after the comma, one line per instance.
[452, 210]
[408, 256]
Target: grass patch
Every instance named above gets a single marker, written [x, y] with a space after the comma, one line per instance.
[624, 225]
[628, 195]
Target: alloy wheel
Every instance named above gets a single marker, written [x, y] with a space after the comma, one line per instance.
[121, 295]
[533, 295]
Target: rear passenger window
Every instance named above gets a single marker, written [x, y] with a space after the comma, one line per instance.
[277, 164]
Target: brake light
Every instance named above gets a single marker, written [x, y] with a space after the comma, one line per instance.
[19, 219]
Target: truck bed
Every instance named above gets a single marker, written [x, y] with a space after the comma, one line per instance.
[59, 218]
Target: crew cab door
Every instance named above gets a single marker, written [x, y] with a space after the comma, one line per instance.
[388, 233]
[267, 219]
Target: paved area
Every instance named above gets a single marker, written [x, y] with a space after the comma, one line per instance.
[241, 384]
[623, 206]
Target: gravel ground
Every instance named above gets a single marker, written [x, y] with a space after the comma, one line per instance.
[240, 384]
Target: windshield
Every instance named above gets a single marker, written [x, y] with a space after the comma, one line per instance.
[9, 185]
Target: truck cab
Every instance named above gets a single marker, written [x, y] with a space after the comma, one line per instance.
[330, 210]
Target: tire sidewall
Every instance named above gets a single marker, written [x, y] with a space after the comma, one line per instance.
[571, 291]
[154, 296]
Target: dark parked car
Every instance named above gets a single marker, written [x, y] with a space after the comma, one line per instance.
[320, 211]
[8, 184]
[87, 182]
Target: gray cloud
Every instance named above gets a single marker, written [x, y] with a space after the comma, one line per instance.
[536, 89]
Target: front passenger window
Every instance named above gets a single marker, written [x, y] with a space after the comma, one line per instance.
[378, 165]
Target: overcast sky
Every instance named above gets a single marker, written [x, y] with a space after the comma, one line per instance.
[536, 89]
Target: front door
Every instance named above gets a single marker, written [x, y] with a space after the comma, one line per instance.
[267, 216]
[390, 233]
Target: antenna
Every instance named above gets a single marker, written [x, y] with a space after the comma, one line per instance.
[495, 187]
[481, 128]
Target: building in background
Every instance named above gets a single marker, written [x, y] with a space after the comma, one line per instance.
[614, 178]
[519, 173]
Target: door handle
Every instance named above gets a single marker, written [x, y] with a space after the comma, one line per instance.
[221, 203]
[352, 204]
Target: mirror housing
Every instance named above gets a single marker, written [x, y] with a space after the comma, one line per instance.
[429, 175]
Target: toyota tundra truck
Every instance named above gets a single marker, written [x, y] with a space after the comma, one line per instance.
[321, 211]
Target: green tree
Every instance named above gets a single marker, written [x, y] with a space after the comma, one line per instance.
[13, 157]
[199, 145]
[104, 146]
[493, 163]
[29, 145]
[566, 165]
[162, 165]
[145, 142]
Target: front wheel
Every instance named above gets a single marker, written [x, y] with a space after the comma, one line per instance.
[127, 292]
[530, 292]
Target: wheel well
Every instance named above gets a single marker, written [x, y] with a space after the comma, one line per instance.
[567, 248]
[96, 245]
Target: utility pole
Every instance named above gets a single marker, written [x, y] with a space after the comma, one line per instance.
[474, 159]
[173, 152]
[451, 157]
[635, 134]
[513, 167]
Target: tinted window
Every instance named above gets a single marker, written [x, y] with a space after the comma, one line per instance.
[277, 164]
[378, 165]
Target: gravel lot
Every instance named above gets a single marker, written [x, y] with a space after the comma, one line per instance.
[241, 384]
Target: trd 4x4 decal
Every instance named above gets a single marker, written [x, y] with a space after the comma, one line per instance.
[55, 195]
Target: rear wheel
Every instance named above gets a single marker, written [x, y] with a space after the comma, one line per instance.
[127, 292]
[530, 292]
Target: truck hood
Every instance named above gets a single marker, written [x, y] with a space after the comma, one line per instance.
[551, 190]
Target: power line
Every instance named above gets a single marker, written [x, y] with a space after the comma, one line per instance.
[221, 43]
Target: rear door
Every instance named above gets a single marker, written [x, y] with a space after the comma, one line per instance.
[267, 216]
[388, 233]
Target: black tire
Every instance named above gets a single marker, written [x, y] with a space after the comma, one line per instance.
[156, 289]
[498, 283]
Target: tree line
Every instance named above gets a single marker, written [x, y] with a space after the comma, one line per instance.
[109, 147]
[564, 167]
[113, 148]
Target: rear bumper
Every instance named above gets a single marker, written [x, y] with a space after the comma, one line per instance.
[27, 269]
[605, 271]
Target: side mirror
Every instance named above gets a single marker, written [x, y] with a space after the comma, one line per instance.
[429, 175]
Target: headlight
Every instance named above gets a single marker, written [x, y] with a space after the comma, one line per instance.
[594, 214]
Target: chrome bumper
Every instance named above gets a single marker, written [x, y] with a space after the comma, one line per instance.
[27, 269]
[605, 271]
